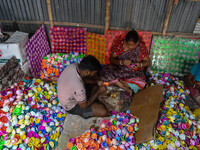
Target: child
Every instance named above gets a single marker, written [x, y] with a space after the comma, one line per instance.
[193, 82]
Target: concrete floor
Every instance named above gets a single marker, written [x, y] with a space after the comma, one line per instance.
[74, 126]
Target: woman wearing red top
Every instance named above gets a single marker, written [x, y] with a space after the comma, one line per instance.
[128, 60]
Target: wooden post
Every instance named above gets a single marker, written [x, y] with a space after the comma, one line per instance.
[166, 22]
[107, 18]
[50, 13]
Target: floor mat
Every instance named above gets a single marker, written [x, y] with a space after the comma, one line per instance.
[191, 104]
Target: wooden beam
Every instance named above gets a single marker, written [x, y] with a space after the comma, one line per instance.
[166, 22]
[107, 17]
[80, 25]
[50, 12]
[118, 28]
[24, 22]
[176, 34]
[56, 23]
[184, 35]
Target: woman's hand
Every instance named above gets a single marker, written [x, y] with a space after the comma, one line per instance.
[126, 62]
[137, 65]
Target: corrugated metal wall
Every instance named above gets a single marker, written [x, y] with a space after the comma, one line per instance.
[139, 14]
[23, 10]
[32, 10]
[184, 16]
[80, 11]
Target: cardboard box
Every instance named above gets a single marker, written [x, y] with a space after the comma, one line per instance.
[146, 106]
[14, 46]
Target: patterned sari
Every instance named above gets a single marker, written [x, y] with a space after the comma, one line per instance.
[134, 78]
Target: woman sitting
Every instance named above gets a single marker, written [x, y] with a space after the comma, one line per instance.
[128, 60]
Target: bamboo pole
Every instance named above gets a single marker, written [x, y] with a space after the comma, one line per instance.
[50, 13]
[107, 17]
[166, 22]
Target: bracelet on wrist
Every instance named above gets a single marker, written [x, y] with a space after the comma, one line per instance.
[120, 62]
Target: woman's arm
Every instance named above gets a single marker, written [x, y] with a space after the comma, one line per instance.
[115, 61]
[145, 62]
[189, 80]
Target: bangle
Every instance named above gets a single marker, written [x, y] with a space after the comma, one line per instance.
[140, 65]
[120, 62]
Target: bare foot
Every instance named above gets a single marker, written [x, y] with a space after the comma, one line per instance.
[124, 82]
[197, 100]
[126, 88]
[130, 92]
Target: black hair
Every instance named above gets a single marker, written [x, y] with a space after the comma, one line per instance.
[90, 63]
[132, 36]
